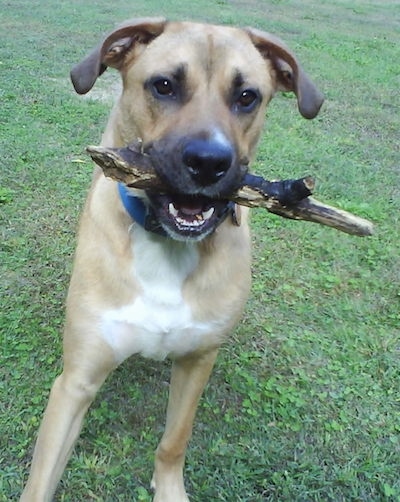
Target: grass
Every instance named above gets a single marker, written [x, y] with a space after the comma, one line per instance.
[304, 403]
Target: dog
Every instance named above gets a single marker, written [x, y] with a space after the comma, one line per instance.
[165, 274]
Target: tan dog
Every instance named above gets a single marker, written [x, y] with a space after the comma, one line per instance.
[165, 275]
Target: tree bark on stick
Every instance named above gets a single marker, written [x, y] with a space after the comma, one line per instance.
[286, 198]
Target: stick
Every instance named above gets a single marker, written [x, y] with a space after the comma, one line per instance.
[287, 198]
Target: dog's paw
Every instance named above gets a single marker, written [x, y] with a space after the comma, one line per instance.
[169, 491]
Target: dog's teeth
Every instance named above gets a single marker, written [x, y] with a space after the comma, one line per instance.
[172, 210]
[207, 214]
[192, 220]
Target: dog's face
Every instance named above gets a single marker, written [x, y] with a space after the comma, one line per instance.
[196, 96]
[202, 95]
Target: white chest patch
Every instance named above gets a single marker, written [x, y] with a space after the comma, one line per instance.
[159, 322]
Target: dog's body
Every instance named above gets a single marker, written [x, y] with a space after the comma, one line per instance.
[196, 96]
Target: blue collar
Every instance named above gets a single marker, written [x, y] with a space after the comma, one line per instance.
[139, 212]
[134, 205]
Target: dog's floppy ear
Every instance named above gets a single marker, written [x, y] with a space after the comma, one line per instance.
[113, 50]
[290, 75]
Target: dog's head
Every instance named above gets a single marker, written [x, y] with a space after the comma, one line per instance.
[196, 95]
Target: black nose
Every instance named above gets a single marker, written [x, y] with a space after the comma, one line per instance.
[207, 160]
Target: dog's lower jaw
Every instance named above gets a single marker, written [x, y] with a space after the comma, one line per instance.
[189, 236]
[188, 218]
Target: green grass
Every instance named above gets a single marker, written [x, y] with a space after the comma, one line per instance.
[304, 402]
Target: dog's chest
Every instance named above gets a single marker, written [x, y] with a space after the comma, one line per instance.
[158, 322]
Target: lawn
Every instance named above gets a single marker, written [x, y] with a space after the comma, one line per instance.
[304, 402]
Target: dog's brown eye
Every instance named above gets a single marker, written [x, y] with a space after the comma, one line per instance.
[247, 98]
[163, 87]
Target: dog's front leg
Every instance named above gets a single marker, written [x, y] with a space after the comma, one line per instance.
[85, 369]
[188, 379]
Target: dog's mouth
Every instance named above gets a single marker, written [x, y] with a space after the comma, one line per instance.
[188, 217]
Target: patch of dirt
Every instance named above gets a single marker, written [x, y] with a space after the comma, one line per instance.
[106, 89]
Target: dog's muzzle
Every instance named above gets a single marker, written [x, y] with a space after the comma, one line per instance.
[201, 174]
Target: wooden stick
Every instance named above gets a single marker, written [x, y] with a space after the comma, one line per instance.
[287, 198]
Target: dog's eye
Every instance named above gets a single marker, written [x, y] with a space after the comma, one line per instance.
[247, 100]
[163, 87]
